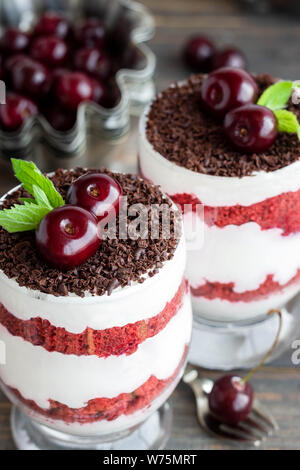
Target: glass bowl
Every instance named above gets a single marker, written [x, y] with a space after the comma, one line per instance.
[37, 139]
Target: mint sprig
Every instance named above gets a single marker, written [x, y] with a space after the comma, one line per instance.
[29, 175]
[276, 98]
[27, 216]
[21, 218]
[287, 121]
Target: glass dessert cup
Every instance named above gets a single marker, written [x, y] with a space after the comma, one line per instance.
[95, 372]
[243, 244]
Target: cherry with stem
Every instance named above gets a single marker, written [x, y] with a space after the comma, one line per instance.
[231, 397]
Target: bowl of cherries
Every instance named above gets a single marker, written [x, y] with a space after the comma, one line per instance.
[72, 72]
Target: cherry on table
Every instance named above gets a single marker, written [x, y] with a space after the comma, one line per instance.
[29, 76]
[98, 193]
[251, 128]
[52, 24]
[230, 399]
[229, 57]
[93, 61]
[198, 53]
[74, 88]
[14, 41]
[227, 88]
[49, 50]
[15, 111]
[90, 33]
[67, 236]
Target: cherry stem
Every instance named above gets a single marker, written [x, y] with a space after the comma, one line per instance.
[271, 350]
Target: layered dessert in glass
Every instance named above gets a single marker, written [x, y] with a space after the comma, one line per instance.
[249, 261]
[96, 349]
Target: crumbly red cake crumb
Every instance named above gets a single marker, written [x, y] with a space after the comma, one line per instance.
[102, 343]
[217, 290]
[276, 212]
[280, 211]
[108, 409]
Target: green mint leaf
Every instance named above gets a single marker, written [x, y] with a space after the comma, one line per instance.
[21, 218]
[287, 121]
[276, 96]
[41, 197]
[29, 175]
[27, 199]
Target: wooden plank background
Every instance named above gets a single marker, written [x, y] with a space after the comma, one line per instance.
[271, 44]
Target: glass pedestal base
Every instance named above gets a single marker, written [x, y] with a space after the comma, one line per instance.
[227, 346]
[151, 434]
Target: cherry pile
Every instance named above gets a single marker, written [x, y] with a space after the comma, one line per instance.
[70, 234]
[201, 55]
[58, 65]
[230, 94]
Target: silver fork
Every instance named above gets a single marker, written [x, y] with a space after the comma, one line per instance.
[253, 431]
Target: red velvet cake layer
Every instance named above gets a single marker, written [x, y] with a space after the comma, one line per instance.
[217, 290]
[103, 343]
[276, 212]
[99, 409]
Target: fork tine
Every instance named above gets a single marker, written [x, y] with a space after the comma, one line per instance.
[264, 416]
[229, 433]
[257, 423]
[252, 427]
[240, 434]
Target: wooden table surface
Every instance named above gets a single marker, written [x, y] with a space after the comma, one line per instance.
[271, 44]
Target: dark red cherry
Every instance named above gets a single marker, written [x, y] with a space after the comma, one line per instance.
[67, 236]
[74, 88]
[10, 62]
[57, 73]
[60, 119]
[90, 33]
[119, 35]
[29, 77]
[230, 57]
[14, 41]
[52, 24]
[230, 399]
[130, 58]
[94, 62]
[99, 93]
[50, 50]
[112, 95]
[15, 112]
[227, 88]
[1, 68]
[96, 192]
[251, 128]
[198, 53]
